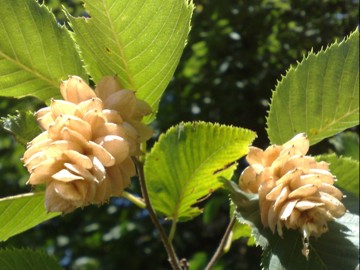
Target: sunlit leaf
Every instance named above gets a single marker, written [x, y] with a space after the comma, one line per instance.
[22, 212]
[346, 171]
[35, 52]
[336, 249]
[320, 96]
[184, 165]
[20, 259]
[139, 41]
[242, 230]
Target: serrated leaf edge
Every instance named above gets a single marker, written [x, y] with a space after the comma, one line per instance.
[293, 69]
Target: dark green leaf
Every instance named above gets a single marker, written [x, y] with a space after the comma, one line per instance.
[21, 259]
[240, 230]
[23, 126]
[347, 144]
[336, 249]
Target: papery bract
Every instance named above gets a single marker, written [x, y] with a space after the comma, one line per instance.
[84, 153]
[294, 190]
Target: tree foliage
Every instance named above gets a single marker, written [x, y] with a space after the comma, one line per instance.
[235, 52]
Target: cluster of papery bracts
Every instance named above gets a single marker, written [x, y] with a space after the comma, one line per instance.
[83, 156]
[294, 190]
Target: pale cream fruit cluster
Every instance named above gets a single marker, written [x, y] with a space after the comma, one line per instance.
[83, 156]
[294, 190]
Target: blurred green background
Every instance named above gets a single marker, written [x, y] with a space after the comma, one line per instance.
[236, 52]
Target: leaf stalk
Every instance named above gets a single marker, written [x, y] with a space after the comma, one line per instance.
[220, 249]
[135, 200]
[173, 259]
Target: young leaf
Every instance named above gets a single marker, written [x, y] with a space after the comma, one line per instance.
[346, 171]
[139, 41]
[320, 96]
[35, 52]
[22, 212]
[336, 249]
[23, 126]
[242, 230]
[20, 259]
[184, 165]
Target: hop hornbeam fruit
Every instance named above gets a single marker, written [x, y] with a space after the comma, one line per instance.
[294, 190]
[84, 153]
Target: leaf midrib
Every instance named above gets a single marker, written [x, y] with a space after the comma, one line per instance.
[119, 46]
[24, 67]
[29, 70]
[188, 180]
[335, 121]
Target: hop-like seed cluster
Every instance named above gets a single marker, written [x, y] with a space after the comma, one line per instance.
[83, 156]
[294, 190]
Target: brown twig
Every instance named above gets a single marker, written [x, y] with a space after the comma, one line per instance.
[173, 259]
[220, 249]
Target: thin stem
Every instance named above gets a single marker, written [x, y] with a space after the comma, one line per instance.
[173, 259]
[220, 249]
[143, 147]
[135, 200]
[172, 231]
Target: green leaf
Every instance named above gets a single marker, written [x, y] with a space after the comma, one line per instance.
[35, 52]
[320, 96]
[139, 41]
[184, 165]
[347, 144]
[198, 260]
[346, 171]
[336, 249]
[242, 230]
[247, 211]
[23, 126]
[20, 259]
[22, 212]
